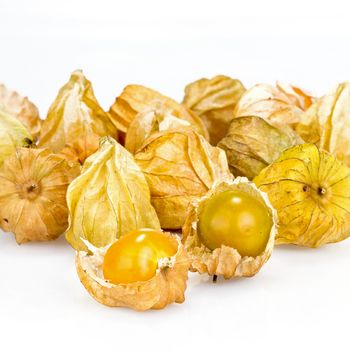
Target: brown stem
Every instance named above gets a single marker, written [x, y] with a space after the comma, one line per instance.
[215, 278]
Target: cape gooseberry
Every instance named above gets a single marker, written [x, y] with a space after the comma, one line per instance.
[235, 219]
[134, 257]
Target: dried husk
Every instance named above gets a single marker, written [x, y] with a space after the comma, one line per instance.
[75, 121]
[21, 108]
[150, 121]
[33, 185]
[327, 123]
[179, 166]
[278, 105]
[109, 199]
[12, 134]
[166, 287]
[225, 261]
[214, 101]
[310, 189]
[251, 144]
[136, 98]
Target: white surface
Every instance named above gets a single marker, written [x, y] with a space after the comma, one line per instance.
[301, 298]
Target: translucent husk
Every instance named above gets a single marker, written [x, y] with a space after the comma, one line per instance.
[251, 144]
[75, 121]
[12, 134]
[109, 199]
[166, 287]
[214, 101]
[150, 121]
[21, 108]
[179, 166]
[136, 98]
[310, 189]
[33, 185]
[279, 105]
[225, 261]
[327, 123]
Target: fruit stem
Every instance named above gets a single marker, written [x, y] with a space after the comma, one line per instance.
[31, 188]
[215, 278]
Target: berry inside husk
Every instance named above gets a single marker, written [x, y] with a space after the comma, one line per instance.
[235, 219]
[134, 257]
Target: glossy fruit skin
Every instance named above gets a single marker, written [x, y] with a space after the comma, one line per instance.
[134, 257]
[235, 219]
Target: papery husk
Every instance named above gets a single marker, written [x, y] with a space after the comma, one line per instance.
[109, 199]
[166, 287]
[21, 108]
[75, 120]
[251, 144]
[33, 185]
[225, 261]
[179, 166]
[136, 98]
[310, 190]
[214, 101]
[278, 105]
[13, 134]
[327, 123]
[150, 121]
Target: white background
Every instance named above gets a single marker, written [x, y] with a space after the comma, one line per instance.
[301, 298]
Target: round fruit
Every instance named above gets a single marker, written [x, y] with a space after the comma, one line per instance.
[310, 189]
[235, 219]
[134, 257]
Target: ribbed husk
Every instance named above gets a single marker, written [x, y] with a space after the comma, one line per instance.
[136, 98]
[179, 166]
[21, 108]
[280, 104]
[225, 261]
[33, 185]
[166, 287]
[109, 199]
[150, 121]
[327, 123]
[310, 190]
[75, 121]
[251, 144]
[214, 101]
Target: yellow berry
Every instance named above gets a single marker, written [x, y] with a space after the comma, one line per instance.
[235, 219]
[134, 257]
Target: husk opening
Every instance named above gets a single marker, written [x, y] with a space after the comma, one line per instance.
[166, 287]
[225, 261]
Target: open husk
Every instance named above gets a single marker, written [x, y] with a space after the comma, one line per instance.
[225, 261]
[280, 104]
[109, 199]
[214, 101]
[150, 121]
[251, 144]
[75, 121]
[33, 185]
[21, 108]
[136, 98]
[327, 123]
[179, 166]
[310, 190]
[166, 287]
